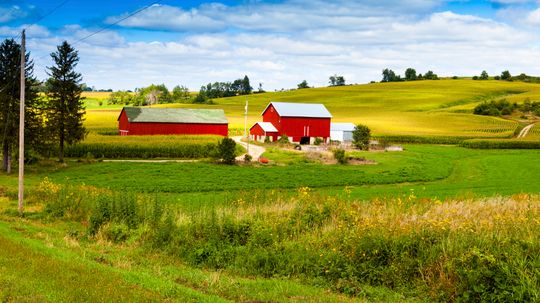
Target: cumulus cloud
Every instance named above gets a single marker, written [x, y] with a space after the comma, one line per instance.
[283, 44]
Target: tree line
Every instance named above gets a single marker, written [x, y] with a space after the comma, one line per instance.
[150, 95]
[52, 119]
[389, 75]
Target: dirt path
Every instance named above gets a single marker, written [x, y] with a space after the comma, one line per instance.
[254, 150]
[525, 131]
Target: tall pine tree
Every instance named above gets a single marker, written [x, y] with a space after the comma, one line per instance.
[66, 108]
[10, 72]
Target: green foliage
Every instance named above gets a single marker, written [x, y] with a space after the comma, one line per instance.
[303, 84]
[483, 76]
[410, 74]
[336, 80]
[284, 139]
[227, 89]
[500, 144]
[390, 76]
[35, 132]
[66, 108]
[248, 158]
[318, 141]
[505, 75]
[339, 155]
[361, 136]
[503, 107]
[227, 150]
[121, 150]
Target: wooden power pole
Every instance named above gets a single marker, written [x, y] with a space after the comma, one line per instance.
[21, 124]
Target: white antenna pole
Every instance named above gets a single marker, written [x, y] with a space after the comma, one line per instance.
[246, 125]
[21, 124]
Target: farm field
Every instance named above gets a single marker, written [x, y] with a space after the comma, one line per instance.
[423, 225]
[425, 108]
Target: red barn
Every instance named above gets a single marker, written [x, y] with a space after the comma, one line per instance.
[262, 130]
[172, 121]
[301, 122]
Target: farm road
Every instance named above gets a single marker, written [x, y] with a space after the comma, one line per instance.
[525, 131]
[254, 150]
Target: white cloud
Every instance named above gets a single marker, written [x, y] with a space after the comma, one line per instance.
[170, 18]
[11, 13]
[283, 44]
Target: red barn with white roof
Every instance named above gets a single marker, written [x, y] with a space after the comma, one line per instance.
[301, 122]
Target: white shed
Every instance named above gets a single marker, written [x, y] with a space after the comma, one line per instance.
[341, 132]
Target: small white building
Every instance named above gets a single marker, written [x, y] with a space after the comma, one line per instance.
[342, 132]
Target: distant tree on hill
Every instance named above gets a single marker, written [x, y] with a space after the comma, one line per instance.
[484, 75]
[202, 96]
[388, 75]
[410, 74]
[246, 87]
[336, 80]
[261, 90]
[505, 75]
[66, 108]
[430, 75]
[304, 84]
[180, 93]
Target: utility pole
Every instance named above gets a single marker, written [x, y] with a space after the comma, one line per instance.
[246, 134]
[21, 124]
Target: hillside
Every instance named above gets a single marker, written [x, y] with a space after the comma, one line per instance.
[435, 108]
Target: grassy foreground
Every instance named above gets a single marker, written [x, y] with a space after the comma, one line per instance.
[279, 248]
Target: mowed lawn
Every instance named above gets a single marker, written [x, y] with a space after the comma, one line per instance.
[422, 170]
[434, 108]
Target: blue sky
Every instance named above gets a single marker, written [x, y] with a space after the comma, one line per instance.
[278, 43]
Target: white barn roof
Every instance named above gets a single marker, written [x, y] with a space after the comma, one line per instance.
[309, 110]
[267, 127]
[348, 127]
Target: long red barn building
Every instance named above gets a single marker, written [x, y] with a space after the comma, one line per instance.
[172, 121]
[301, 122]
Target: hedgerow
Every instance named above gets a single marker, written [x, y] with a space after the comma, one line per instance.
[500, 144]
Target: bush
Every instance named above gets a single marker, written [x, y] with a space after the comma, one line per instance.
[318, 141]
[284, 139]
[227, 150]
[361, 136]
[248, 158]
[339, 155]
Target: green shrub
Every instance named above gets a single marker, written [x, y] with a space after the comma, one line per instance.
[318, 141]
[339, 155]
[361, 136]
[227, 150]
[284, 139]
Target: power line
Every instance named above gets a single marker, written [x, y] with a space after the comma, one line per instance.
[51, 11]
[118, 21]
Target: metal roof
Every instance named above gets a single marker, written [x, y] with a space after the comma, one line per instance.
[267, 127]
[175, 115]
[349, 127]
[310, 110]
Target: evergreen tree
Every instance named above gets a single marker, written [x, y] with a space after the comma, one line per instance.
[10, 72]
[66, 108]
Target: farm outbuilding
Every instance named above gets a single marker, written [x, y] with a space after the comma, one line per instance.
[262, 130]
[342, 132]
[172, 121]
[301, 122]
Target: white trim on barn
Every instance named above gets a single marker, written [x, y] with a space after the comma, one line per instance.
[341, 132]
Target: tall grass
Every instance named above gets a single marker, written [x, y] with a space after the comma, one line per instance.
[456, 250]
